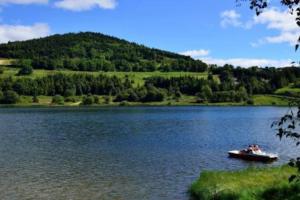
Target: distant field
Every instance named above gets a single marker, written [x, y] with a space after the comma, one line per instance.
[5, 62]
[138, 77]
[288, 90]
[275, 100]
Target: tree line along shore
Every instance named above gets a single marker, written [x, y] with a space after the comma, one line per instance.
[225, 85]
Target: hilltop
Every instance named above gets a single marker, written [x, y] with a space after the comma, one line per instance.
[88, 51]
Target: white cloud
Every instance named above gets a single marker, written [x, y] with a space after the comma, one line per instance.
[281, 21]
[82, 5]
[230, 18]
[21, 32]
[272, 19]
[289, 37]
[196, 53]
[276, 19]
[202, 54]
[23, 1]
[248, 62]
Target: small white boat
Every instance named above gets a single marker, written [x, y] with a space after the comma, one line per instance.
[253, 153]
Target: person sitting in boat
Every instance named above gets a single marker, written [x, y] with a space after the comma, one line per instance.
[253, 149]
[256, 149]
[249, 149]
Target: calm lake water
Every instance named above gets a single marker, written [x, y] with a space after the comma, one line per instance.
[125, 153]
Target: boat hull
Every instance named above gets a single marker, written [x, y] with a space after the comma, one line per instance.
[252, 157]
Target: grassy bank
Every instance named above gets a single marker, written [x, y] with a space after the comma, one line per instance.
[259, 184]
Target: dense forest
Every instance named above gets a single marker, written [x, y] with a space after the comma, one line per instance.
[96, 52]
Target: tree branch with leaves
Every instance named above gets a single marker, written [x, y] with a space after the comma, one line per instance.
[288, 127]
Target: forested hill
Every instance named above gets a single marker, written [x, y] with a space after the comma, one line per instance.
[90, 51]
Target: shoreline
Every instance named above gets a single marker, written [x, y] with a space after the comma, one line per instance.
[257, 101]
[132, 105]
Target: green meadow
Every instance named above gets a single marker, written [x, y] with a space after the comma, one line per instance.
[137, 77]
[290, 90]
[273, 100]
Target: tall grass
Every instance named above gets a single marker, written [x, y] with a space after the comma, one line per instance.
[252, 183]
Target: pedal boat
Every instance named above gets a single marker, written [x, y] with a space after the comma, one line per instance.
[253, 156]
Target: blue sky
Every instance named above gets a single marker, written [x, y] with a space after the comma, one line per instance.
[214, 31]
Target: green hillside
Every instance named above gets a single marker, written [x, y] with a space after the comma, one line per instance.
[89, 51]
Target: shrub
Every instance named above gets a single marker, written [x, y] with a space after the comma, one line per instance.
[88, 100]
[122, 96]
[1, 95]
[124, 103]
[107, 99]
[133, 97]
[70, 99]
[178, 94]
[250, 101]
[10, 97]
[25, 70]
[201, 97]
[35, 99]
[96, 99]
[58, 99]
[143, 94]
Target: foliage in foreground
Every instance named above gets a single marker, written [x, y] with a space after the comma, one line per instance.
[260, 184]
[288, 127]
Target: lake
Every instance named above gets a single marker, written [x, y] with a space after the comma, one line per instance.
[126, 153]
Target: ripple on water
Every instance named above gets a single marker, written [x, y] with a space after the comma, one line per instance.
[125, 153]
